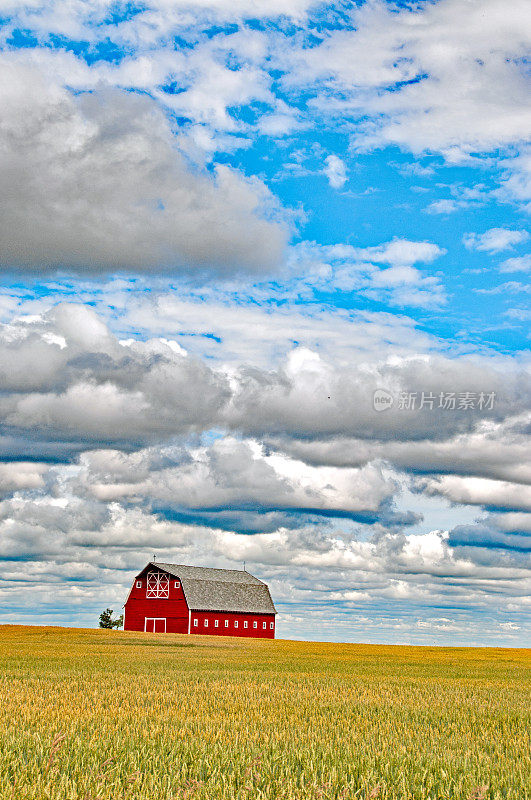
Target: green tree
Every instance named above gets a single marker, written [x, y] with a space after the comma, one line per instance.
[106, 620]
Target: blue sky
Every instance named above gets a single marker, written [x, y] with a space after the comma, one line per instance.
[225, 226]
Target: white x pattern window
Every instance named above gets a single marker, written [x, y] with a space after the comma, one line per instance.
[158, 585]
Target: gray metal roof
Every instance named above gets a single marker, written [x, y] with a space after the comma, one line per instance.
[230, 590]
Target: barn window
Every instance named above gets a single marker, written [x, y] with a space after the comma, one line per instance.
[264, 625]
[255, 624]
[196, 623]
[271, 625]
[139, 584]
[158, 585]
[245, 624]
[176, 584]
[235, 623]
[216, 623]
[226, 623]
[206, 622]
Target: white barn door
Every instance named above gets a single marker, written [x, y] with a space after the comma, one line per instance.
[155, 625]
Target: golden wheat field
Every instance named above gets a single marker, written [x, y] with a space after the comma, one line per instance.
[110, 715]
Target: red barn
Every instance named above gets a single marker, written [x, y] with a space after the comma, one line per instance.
[173, 598]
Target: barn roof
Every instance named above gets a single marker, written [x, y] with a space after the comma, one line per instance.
[230, 590]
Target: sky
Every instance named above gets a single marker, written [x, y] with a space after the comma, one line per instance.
[264, 298]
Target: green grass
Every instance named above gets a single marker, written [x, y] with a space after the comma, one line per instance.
[154, 717]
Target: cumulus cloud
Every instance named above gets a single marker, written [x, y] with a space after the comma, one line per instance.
[21, 475]
[336, 171]
[516, 179]
[95, 183]
[488, 536]
[67, 379]
[495, 239]
[316, 485]
[239, 475]
[310, 399]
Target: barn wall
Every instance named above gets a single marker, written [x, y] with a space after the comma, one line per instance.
[174, 609]
[250, 632]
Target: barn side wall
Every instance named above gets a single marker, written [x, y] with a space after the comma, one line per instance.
[231, 629]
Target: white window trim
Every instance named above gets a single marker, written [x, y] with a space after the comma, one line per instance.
[196, 623]
[235, 623]
[154, 619]
[226, 623]
[177, 584]
[272, 625]
[157, 586]
[206, 622]
[255, 624]
[139, 584]
[216, 623]
[264, 625]
[245, 624]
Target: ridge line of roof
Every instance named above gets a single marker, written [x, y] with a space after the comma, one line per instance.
[162, 564]
[195, 566]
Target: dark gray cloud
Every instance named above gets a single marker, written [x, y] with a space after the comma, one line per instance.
[95, 183]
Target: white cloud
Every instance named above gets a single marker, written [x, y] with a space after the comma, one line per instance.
[440, 60]
[480, 491]
[346, 268]
[69, 382]
[21, 475]
[331, 458]
[517, 264]
[336, 171]
[495, 239]
[498, 451]
[516, 180]
[445, 206]
[97, 184]
[153, 23]
[509, 287]
[233, 474]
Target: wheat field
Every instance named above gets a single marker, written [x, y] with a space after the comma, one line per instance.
[106, 715]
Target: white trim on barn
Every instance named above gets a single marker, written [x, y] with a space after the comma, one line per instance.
[158, 585]
[154, 620]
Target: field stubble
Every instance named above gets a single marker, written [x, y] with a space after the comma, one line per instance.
[102, 715]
